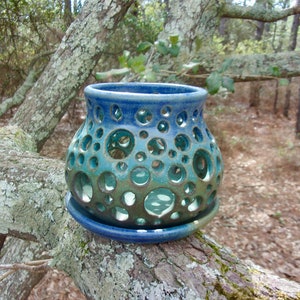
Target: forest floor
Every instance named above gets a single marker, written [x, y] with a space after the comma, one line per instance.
[259, 217]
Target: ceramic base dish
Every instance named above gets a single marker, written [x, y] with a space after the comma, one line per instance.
[139, 235]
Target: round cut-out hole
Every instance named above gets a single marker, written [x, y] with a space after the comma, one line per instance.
[83, 187]
[120, 144]
[143, 134]
[140, 156]
[159, 202]
[163, 126]
[96, 147]
[195, 115]
[71, 160]
[157, 165]
[99, 133]
[182, 142]
[98, 114]
[128, 198]
[120, 213]
[202, 164]
[101, 207]
[181, 119]
[189, 188]
[122, 166]
[172, 153]
[116, 112]
[86, 142]
[210, 136]
[197, 134]
[166, 111]
[80, 159]
[195, 205]
[185, 159]
[175, 215]
[177, 173]
[107, 182]
[108, 199]
[93, 162]
[140, 176]
[156, 146]
[211, 197]
[144, 116]
[185, 201]
[140, 221]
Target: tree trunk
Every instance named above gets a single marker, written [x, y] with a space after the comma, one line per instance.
[294, 30]
[287, 101]
[32, 208]
[69, 67]
[298, 118]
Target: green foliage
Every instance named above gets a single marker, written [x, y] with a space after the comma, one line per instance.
[217, 79]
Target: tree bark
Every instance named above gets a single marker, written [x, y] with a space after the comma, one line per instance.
[69, 67]
[32, 208]
[257, 13]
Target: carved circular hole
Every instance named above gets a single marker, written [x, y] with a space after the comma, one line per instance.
[189, 188]
[86, 142]
[195, 205]
[116, 112]
[144, 116]
[166, 111]
[186, 201]
[99, 133]
[195, 115]
[176, 173]
[107, 182]
[211, 197]
[140, 156]
[181, 119]
[197, 134]
[140, 176]
[100, 207]
[120, 144]
[98, 114]
[96, 147]
[159, 202]
[163, 126]
[156, 146]
[122, 166]
[80, 159]
[182, 142]
[140, 221]
[93, 162]
[172, 153]
[83, 187]
[120, 213]
[128, 198]
[209, 134]
[185, 159]
[143, 134]
[157, 165]
[71, 160]
[108, 199]
[202, 164]
[175, 215]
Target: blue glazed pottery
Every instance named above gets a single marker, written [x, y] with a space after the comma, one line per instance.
[143, 167]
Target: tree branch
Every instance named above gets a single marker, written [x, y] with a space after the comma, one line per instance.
[31, 202]
[257, 13]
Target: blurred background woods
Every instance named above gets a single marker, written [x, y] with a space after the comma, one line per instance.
[30, 31]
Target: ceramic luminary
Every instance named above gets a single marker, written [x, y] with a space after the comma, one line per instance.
[143, 167]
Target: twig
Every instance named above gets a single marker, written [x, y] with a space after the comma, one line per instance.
[31, 266]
